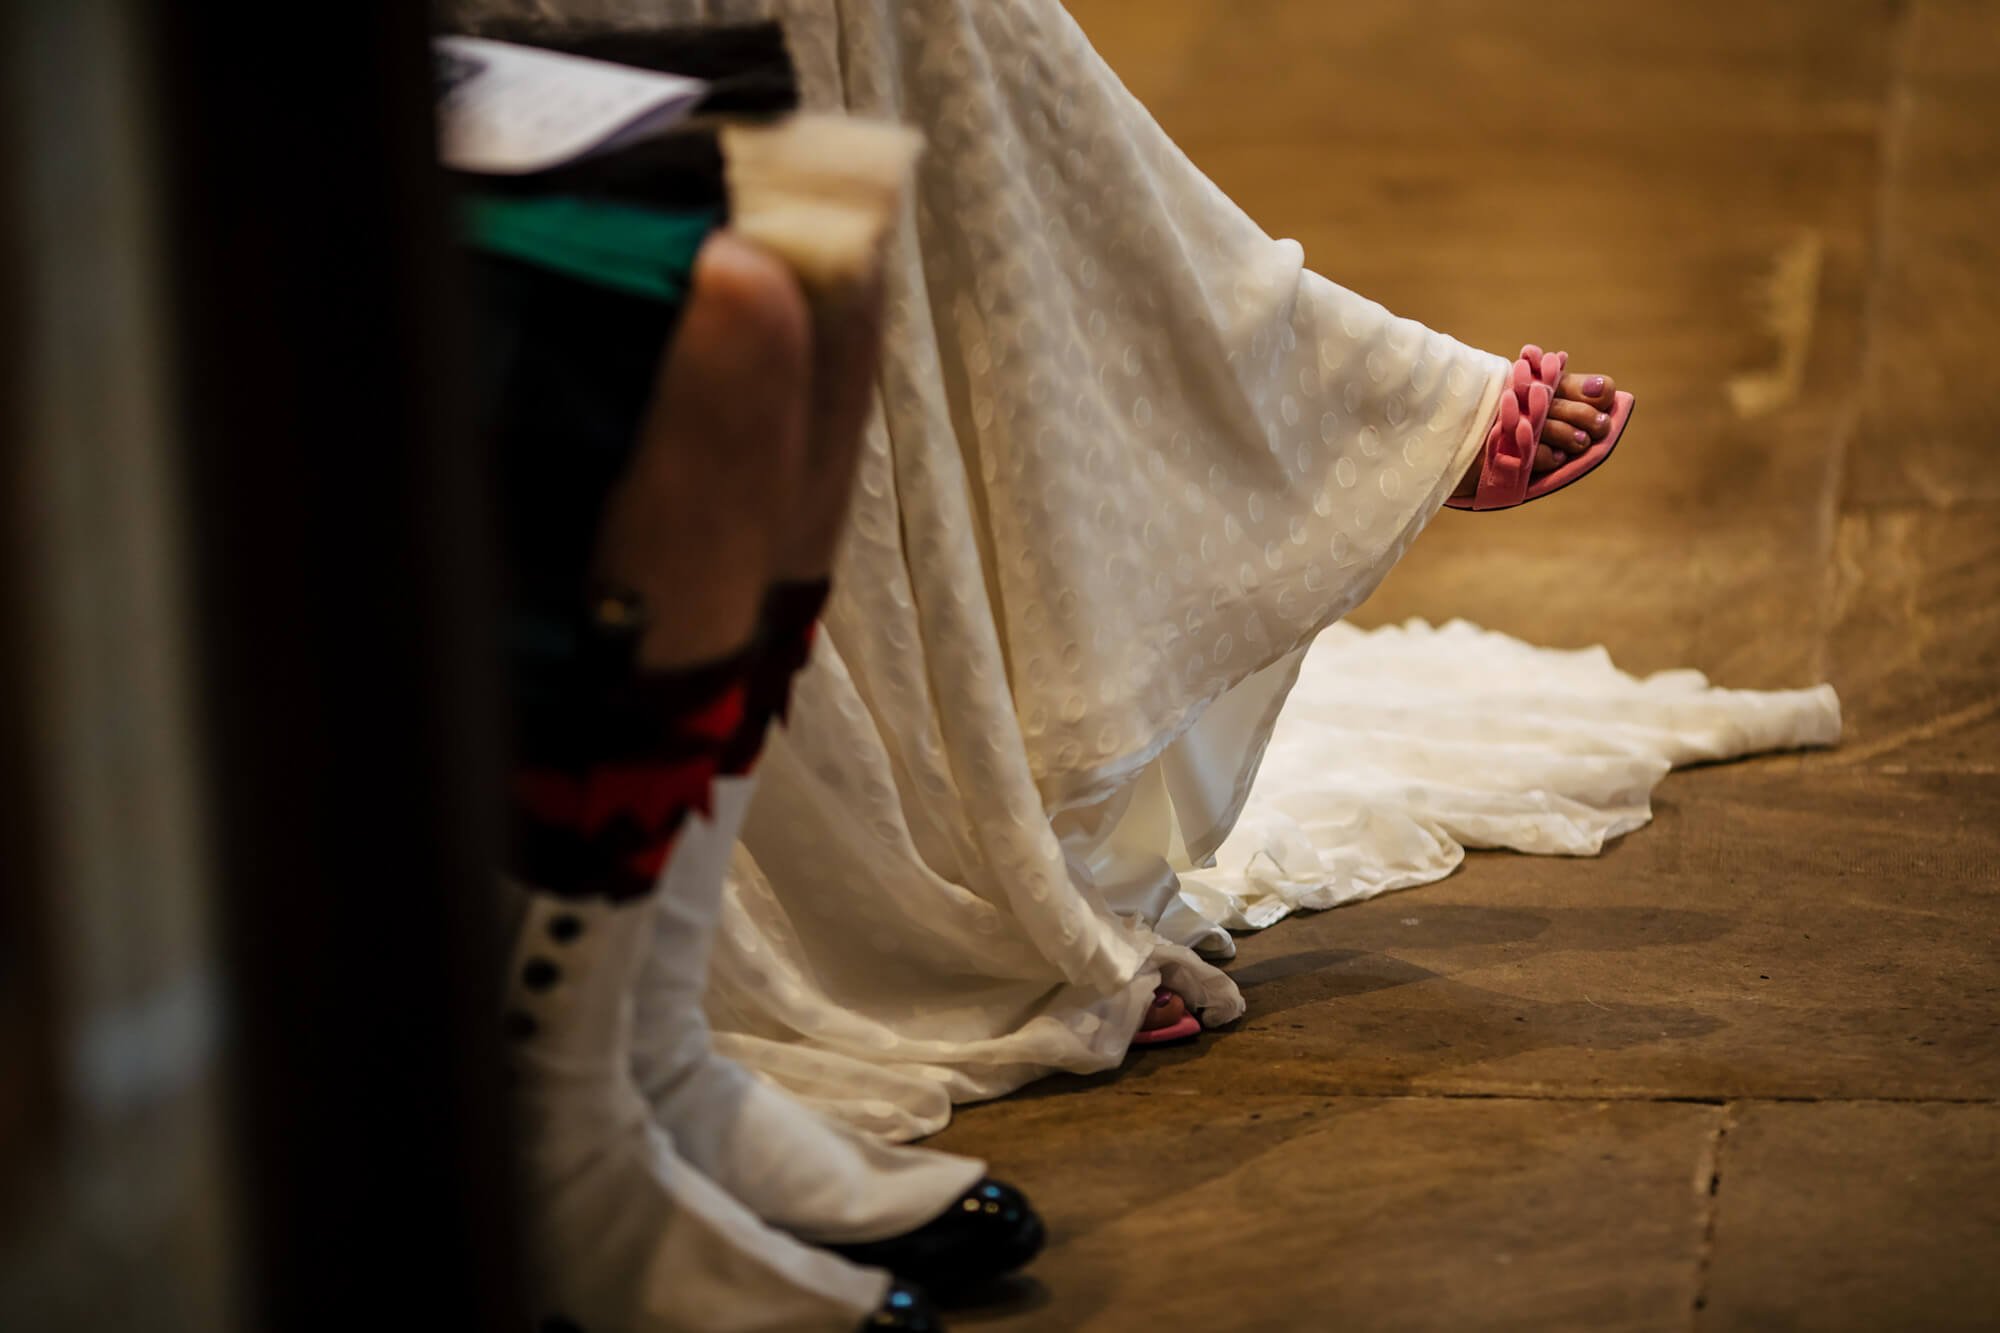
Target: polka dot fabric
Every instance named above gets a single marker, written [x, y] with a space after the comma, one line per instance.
[1130, 453]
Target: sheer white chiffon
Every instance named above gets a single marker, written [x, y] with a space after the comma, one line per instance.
[1132, 456]
[1400, 748]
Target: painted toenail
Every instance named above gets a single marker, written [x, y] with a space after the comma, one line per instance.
[1583, 437]
[1593, 386]
[1603, 422]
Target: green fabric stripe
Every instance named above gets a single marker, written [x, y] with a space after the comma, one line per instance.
[628, 249]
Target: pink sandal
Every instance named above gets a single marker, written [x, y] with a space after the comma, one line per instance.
[1507, 467]
[1188, 1026]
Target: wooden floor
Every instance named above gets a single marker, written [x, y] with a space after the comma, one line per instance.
[1741, 1071]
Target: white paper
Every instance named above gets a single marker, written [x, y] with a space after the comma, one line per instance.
[509, 110]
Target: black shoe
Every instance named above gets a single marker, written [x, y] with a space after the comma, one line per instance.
[989, 1231]
[904, 1310]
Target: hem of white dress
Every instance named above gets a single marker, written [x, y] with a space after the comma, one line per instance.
[1090, 786]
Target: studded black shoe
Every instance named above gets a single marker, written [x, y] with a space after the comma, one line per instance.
[990, 1231]
[904, 1310]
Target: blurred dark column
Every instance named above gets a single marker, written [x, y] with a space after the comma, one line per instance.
[28, 1096]
[343, 583]
[116, 1207]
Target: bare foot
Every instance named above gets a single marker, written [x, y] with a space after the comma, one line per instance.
[1579, 417]
[1166, 1010]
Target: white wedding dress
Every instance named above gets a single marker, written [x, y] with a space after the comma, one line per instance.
[1132, 457]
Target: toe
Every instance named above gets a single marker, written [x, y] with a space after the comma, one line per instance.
[1580, 415]
[1564, 438]
[1593, 389]
[1166, 1010]
[1547, 459]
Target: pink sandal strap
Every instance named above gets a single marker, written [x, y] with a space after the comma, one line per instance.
[1507, 460]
